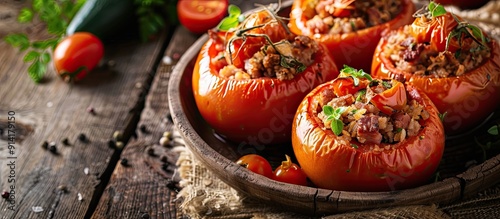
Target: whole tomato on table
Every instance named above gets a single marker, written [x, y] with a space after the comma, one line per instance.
[335, 158]
[254, 111]
[76, 55]
[465, 97]
[356, 48]
[198, 16]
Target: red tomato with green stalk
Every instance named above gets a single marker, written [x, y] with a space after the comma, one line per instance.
[290, 172]
[256, 164]
[76, 55]
[198, 16]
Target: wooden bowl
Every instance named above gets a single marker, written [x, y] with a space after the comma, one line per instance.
[458, 180]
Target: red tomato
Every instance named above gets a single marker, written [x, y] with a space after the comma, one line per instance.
[256, 164]
[290, 172]
[352, 49]
[198, 16]
[76, 55]
[254, 111]
[463, 4]
[391, 99]
[466, 100]
[330, 164]
[435, 31]
[240, 50]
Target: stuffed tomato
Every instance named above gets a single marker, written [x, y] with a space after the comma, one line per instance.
[248, 81]
[350, 29]
[356, 133]
[452, 61]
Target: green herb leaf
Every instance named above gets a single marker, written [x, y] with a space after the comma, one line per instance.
[30, 56]
[436, 10]
[232, 20]
[334, 115]
[37, 70]
[18, 40]
[45, 58]
[290, 62]
[25, 15]
[337, 127]
[355, 74]
[493, 130]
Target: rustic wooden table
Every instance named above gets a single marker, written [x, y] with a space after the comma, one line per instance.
[86, 179]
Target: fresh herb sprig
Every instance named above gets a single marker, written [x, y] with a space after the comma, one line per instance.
[232, 20]
[235, 18]
[355, 74]
[56, 15]
[436, 10]
[333, 115]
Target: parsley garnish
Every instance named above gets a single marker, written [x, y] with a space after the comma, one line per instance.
[232, 20]
[56, 15]
[355, 74]
[436, 10]
[493, 130]
[333, 115]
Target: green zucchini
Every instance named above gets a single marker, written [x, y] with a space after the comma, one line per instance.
[103, 18]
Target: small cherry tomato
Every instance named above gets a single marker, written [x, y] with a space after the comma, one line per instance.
[76, 55]
[290, 172]
[198, 16]
[256, 164]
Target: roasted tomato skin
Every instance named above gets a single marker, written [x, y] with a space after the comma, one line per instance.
[353, 49]
[254, 111]
[331, 165]
[465, 100]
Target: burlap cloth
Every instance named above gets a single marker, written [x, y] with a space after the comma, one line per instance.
[203, 195]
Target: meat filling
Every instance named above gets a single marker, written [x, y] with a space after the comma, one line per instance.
[268, 62]
[365, 123]
[345, 16]
[420, 59]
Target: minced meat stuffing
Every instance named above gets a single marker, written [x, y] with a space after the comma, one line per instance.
[365, 123]
[267, 62]
[419, 59]
[359, 14]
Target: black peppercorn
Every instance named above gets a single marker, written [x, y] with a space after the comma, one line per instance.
[45, 145]
[124, 161]
[65, 141]
[82, 137]
[164, 166]
[5, 194]
[164, 159]
[143, 128]
[53, 148]
[172, 185]
[150, 151]
[111, 144]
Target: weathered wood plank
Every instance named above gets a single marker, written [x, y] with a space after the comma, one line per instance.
[145, 172]
[54, 110]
